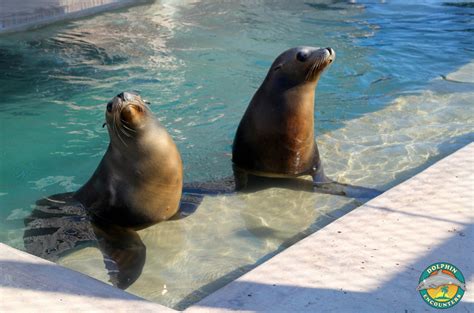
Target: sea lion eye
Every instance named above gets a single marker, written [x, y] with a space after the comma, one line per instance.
[109, 106]
[302, 56]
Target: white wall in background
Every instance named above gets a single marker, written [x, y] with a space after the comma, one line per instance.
[17, 15]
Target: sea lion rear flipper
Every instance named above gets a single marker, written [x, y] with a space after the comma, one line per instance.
[340, 189]
[124, 254]
[323, 184]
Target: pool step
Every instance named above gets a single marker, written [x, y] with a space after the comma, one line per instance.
[371, 259]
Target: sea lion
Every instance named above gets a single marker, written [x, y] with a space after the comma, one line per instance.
[275, 137]
[139, 181]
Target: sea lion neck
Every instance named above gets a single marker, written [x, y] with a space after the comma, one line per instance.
[298, 99]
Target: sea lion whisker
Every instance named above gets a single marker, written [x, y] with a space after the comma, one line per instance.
[314, 68]
[126, 127]
[120, 137]
[123, 125]
[311, 71]
[318, 65]
[123, 131]
[116, 131]
[308, 74]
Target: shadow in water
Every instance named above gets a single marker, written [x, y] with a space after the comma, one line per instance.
[249, 183]
[60, 225]
[194, 192]
[254, 184]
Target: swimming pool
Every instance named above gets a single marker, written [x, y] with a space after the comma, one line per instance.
[383, 112]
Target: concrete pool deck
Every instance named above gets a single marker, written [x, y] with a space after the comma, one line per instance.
[369, 260]
[22, 15]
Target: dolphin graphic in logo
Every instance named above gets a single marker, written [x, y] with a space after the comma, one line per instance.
[440, 279]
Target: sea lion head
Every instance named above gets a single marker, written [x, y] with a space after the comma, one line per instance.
[300, 65]
[125, 117]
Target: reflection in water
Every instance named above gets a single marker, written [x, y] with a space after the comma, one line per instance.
[59, 224]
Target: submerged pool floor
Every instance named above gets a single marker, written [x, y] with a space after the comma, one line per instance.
[383, 113]
[375, 243]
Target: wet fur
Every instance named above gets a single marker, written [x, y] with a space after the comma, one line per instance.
[275, 137]
[139, 180]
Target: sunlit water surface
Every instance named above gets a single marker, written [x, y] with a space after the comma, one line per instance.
[398, 98]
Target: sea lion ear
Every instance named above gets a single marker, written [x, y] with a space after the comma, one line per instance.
[276, 68]
[131, 115]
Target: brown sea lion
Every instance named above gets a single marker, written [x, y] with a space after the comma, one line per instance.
[275, 137]
[139, 181]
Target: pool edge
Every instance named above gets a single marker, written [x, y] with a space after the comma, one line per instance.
[293, 278]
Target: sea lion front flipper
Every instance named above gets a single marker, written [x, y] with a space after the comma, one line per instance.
[188, 205]
[124, 253]
[56, 226]
[59, 225]
[323, 184]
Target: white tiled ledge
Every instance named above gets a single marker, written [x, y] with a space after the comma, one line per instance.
[31, 284]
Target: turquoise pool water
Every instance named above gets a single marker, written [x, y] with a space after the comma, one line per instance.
[398, 97]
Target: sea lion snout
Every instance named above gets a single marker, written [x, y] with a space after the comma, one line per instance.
[125, 114]
[126, 96]
[327, 54]
[332, 54]
[131, 114]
